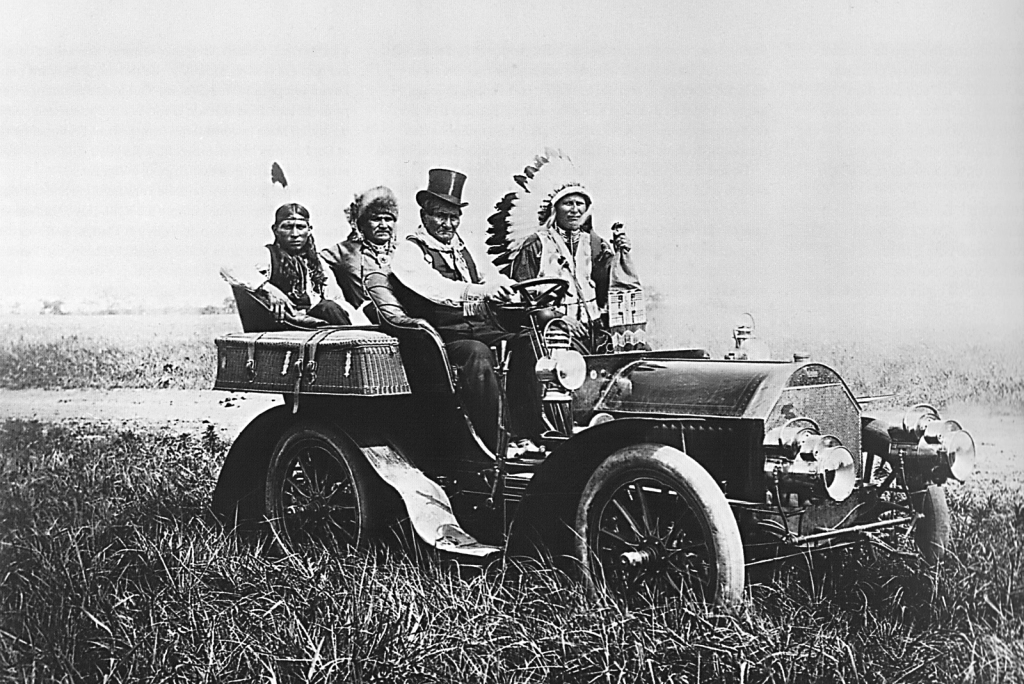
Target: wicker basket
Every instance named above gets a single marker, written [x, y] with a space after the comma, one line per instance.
[327, 361]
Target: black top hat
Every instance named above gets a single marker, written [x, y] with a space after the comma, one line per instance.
[445, 185]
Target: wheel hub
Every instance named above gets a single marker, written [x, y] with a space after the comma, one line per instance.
[638, 558]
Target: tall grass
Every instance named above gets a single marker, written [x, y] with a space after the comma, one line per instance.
[988, 374]
[111, 569]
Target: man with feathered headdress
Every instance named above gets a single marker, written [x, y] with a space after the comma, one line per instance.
[545, 230]
[368, 248]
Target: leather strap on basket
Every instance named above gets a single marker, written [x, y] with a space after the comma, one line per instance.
[313, 342]
[308, 346]
[299, 367]
[250, 358]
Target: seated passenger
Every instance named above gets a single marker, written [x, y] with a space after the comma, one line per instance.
[443, 284]
[369, 246]
[546, 231]
[289, 276]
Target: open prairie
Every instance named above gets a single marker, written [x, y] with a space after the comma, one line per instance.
[143, 351]
[944, 365]
[108, 366]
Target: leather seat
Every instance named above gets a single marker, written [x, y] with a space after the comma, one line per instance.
[423, 351]
[257, 316]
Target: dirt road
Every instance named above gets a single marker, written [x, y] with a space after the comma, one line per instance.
[999, 437]
[170, 408]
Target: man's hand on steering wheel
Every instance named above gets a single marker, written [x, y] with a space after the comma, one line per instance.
[498, 292]
[540, 293]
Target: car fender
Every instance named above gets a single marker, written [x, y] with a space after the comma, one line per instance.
[543, 524]
[238, 498]
[426, 503]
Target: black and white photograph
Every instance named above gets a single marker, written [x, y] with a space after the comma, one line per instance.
[512, 342]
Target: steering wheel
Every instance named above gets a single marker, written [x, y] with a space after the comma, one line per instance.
[553, 291]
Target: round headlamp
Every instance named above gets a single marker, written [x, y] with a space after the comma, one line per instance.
[959, 454]
[792, 434]
[837, 472]
[566, 367]
[919, 417]
[816, 465]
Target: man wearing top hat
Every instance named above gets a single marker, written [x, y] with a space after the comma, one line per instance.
[446, 286]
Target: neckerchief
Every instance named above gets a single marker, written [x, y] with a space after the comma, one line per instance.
[452, 251]
[377, 257]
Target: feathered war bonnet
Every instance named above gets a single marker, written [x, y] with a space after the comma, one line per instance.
[546, 210]
[378, 200]
[522, 212]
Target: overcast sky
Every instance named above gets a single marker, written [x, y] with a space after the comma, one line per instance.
[811, 159]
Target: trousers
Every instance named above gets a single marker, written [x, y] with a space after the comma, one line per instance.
[479, 389]
[331, 312]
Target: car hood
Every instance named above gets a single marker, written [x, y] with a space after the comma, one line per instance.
[704, 387]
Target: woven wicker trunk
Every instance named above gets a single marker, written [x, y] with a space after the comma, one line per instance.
[335, 361]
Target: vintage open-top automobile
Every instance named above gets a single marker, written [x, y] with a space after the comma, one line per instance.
[665, 473]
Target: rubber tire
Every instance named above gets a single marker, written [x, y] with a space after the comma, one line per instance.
[701, 494]
[370, 513]
[932, 530]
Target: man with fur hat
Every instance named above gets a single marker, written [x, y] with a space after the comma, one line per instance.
[369, 246]
[289, 276]
[442, 283]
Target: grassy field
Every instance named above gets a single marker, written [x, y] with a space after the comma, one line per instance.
[154, 351]
[142, 351]
[112, 569]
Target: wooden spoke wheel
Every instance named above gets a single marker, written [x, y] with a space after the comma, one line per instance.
[319, 490]
[652, 523]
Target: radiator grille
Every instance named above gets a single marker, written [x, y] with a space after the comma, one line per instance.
[830, 406]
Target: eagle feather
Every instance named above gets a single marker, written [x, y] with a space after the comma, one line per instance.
[277, 175]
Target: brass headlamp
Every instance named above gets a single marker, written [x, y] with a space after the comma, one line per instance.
[562, 369]
[802, 460]
[926, 442]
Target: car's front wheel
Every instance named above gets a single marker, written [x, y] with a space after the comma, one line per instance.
[931, 531]
[320, 488]
[652, 522]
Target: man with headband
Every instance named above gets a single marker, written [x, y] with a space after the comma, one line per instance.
[290, 277]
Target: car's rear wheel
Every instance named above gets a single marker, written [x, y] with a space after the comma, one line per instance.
[931, 531]
[652, 523]
[320, 489]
